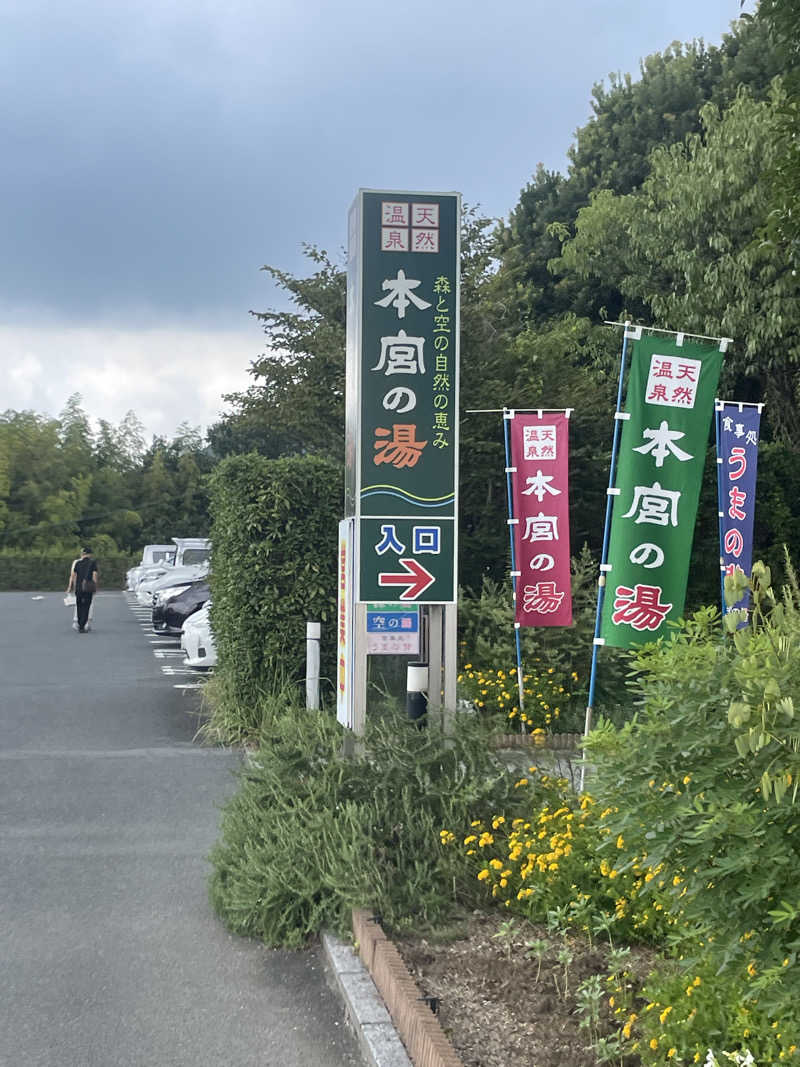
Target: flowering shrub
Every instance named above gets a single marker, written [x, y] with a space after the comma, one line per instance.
[547, 694]
[690, 785]
[684, 1008]
[553, 850]
[690, 840]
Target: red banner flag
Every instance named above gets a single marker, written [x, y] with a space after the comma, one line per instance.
[540, 498]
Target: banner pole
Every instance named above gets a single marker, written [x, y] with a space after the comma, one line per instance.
[718, 405]
[508, 414]
[601, 582]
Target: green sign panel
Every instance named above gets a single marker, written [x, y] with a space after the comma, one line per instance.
[407, 560]
[402, 383]
[663, 446]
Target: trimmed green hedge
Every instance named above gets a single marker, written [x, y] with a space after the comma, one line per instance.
[274, 532]
[37, 571]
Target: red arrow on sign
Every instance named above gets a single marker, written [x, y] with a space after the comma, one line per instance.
[415, 577]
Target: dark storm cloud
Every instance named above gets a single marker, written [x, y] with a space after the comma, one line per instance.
[156, 155]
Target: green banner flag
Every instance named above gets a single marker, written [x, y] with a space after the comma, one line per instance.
[663, 444]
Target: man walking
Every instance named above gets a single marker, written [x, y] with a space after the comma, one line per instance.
[84, 581]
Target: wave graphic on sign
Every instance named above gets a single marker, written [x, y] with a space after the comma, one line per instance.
[411, 498]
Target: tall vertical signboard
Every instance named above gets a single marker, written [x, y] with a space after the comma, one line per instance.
[402, 394]
[663, 445]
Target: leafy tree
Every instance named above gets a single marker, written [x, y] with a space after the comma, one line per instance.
[782, 18]
[297, 402]
[686, 246]
[612, 152]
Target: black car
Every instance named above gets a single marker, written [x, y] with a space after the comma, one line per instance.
[170, 615]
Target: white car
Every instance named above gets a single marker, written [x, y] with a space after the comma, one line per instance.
[191, 562]
[154, 558]
[197, 640]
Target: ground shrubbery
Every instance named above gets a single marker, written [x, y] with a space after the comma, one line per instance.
[689, 840]
[555, 660]
[311, 834]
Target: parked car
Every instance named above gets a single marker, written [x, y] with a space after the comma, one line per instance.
[191, 561]
[173, 606]
[197, 640]
[154, 558]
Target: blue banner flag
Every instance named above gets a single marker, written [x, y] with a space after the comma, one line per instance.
[737, 463]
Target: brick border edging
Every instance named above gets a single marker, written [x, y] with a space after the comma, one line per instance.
[419, 1028]
[562, 743]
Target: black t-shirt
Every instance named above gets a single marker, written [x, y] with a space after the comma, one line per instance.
[84, 569]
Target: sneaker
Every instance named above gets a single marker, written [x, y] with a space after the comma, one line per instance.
[81, 630]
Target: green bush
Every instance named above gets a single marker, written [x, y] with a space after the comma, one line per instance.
[702, 786]
[274, 531]
[555, 659]
[311, 834]
[45, 571]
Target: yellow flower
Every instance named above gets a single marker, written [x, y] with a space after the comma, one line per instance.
[522, 781]
[663, 1016]
[751, 969]
[696, 982]
[469, 839]
[497, 864]
[671, 1053]
[498, 821]
[620, 841]
[654, 1042]
[483, 875]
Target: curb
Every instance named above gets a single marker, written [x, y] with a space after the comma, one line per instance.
[379, 995]
[418, 1026]
[364, 1008]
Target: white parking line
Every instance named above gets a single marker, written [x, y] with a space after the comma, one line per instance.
[177, 670]
[189, 685]
[163, 653]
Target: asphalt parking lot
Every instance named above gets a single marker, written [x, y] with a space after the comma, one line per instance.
[110, 952]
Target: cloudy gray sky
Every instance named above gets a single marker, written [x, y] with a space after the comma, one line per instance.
[155, 154]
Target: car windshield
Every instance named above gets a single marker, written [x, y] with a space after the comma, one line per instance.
[194, 555]
[168, 557]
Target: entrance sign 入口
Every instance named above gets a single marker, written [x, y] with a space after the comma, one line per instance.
[540, 495]
[402, 394]
[663, 444]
